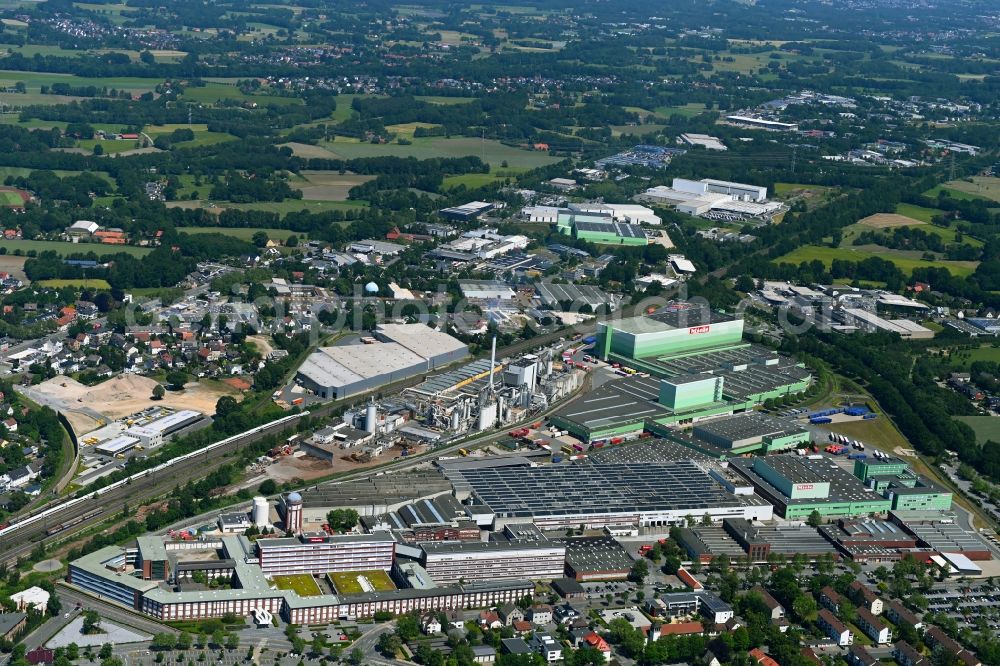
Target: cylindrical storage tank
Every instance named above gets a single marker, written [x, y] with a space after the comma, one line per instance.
[456, 420]
[261, 512]
[371, 417]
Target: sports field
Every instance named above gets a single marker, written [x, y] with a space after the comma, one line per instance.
[301, 584]
[82, 283]
[243, 233]
[359, 582]
[13, 197]
[65, 247]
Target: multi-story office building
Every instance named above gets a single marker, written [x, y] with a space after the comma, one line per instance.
[320, 553]
[520, 551]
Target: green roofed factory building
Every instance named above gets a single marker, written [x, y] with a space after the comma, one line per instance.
[799, 485]
[674, 329]
[600, 229]
[699, 367]
[892, 478]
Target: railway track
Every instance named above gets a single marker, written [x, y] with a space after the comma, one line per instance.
[21, 538]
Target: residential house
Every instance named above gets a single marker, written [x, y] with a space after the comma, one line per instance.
[761, 658]
[489, 620]
[540, 615]
[515, 646]
[522, 627]
[547, 646]
[874, 628]
[834, 628]
[830, 599]
[509, 614]
[483, 654]
[857, 655]
[565, 614]
[864, 597]
[907, 655]
[583, 639]
[937, 639]
[898, 614]
[714, 608]
[431, 625]
[777, 611]
[12, 624]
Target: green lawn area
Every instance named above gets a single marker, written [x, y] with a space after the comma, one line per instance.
[301, 584]
[470, 180]
[346, 582]
[82, 283]
[917, 212]
[110, 147]
[494, 152]
[65, 247]
[902, 260]
[987, 427]
[966, 357]
[689, 110]
[783, 189]
[242, 233]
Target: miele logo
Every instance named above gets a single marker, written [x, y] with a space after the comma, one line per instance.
[805, 486]
[694, 330]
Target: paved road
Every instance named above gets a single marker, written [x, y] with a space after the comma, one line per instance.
[110, 610]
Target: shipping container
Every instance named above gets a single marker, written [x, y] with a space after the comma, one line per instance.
[816, 420]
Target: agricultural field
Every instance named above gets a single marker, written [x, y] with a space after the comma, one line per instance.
[202, 137]
[243, 233]
[987, 428]
[214, 92]
[280, 207]
[406, 130]
[918, 212]
[905, 261]
[977, 187]
[356, 582]
[882, 221]
[435, 99]
[889, 221]
[302, 584]
[308, 151]
[327, 185]
[493, 152]
[66, 248]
